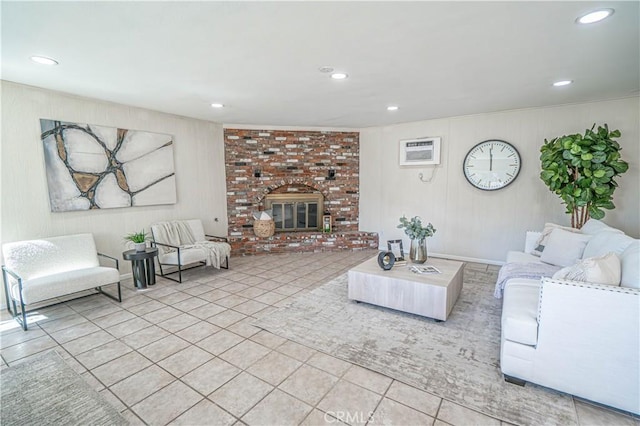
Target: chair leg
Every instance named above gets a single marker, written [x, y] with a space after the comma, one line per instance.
[117, 299]
[6, 288]
[24, 314]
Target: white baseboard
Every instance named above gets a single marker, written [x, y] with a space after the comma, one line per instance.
[460, 258]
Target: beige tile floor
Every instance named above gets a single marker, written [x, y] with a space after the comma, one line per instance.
[187, 354]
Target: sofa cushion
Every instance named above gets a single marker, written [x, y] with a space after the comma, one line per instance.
[56, 285]
[598, 270]
[546, 233]
[564, 248]
[520, 311]
[630, 265]
[607, 241]
[187, 256]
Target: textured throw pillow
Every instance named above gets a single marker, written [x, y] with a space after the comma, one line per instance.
[564, 248]
[597, 270]
[544, 236]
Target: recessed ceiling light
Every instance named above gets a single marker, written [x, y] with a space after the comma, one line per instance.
[217, 105]
[44, 60]
[339, 76]
[325, 69]
[595, 16]
[392, 108]
[562, 83]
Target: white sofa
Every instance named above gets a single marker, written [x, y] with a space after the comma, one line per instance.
[47, 268]
[175, 249]
[577, 337]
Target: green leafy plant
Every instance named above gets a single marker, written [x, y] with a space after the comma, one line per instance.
[414, 229]
[581, 170]
[137, 237]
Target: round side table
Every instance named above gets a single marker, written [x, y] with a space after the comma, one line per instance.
[142, 266]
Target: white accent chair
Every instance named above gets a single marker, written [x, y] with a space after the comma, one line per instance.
[47, 268]
[182, 255]
[577, 337]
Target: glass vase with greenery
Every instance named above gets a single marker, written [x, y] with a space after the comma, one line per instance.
[418, 233]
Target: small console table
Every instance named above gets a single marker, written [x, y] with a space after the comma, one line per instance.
[142, 266]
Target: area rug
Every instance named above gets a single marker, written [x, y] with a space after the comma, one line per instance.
[44, 390]
[457, 360]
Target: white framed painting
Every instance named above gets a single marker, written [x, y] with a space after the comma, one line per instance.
[98, 167]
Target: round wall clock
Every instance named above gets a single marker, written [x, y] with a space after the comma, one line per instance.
[491, 165]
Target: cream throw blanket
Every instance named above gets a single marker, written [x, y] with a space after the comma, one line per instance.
[178, 233]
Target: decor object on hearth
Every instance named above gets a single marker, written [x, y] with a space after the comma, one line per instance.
[386, 259]
[491, 165]
[263, 225]
[139, 240]
[96, 167]
[581, 170]
[326, 223]
[418, 234]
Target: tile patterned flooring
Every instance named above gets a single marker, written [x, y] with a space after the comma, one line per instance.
[187, 354]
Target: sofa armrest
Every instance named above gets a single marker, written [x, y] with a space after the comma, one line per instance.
[589, 340]
[111, 258]
[215, 237]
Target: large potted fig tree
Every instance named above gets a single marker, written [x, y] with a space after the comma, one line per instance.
[581, 169]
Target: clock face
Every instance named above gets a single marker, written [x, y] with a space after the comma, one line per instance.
[491, 165]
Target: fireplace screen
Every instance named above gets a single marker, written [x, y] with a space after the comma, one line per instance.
[295, 212]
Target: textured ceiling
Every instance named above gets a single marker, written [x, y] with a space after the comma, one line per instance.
[261, 59]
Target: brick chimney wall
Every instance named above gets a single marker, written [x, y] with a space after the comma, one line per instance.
[293, 158]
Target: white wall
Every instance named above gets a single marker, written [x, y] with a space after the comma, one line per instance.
[477, 224]
[198, 156]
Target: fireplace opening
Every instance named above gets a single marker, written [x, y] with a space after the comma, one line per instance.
[296, 212]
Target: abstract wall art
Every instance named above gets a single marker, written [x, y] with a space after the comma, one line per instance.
[98, 167]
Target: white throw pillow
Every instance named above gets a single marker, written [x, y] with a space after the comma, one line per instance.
[564, 248]
[597, 270]
[531, 240]
[630, 261]
[593, 226]
[607, 241]
[544, 237]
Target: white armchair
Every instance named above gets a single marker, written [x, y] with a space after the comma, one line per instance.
[183, 245]
[44, 269]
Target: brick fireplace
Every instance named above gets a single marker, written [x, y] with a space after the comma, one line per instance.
[263, 162]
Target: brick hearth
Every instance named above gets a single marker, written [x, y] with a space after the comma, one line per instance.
[262, 161]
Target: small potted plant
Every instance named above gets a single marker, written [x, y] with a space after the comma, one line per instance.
[139, 240]
[418, 234]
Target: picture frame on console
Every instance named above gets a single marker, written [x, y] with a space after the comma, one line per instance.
[395, 246]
